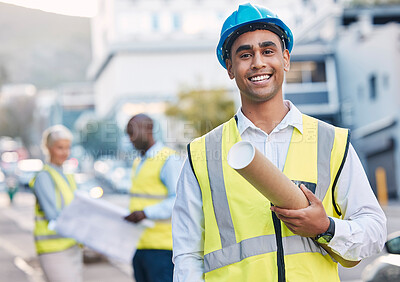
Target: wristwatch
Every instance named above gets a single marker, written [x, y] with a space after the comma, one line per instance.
[326, 237]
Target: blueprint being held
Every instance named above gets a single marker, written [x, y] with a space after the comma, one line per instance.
[100, 225]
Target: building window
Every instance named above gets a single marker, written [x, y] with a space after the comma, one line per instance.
[306, 72]
[177, 22]
[372, 87]
[385, 81]
[156, 22]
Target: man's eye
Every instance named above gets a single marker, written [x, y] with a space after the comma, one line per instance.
[268, 52]
[245, 55]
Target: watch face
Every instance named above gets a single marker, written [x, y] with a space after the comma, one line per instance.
[324, 239]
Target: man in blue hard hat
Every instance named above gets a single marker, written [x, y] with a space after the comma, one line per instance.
[223, 228]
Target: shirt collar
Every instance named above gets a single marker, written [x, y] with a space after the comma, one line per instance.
[293, 118]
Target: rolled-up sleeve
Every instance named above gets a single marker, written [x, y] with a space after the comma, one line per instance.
[361, 232]
[188, 229]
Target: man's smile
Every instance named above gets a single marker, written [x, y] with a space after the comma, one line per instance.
[258, 78]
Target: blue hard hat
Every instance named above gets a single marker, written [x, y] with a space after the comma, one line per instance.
[249, 17]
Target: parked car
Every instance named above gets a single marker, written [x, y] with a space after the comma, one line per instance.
[385, 268]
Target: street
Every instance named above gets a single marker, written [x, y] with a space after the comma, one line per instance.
[18, 260]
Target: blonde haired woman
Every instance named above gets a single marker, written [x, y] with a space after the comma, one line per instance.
[60, 258]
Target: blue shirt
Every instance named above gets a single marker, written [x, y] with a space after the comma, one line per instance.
[45, 192]
[169, 177]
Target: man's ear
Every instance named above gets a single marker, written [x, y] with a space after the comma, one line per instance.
[286, 60]
[228, 63]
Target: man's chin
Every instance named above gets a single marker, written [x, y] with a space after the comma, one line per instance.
[261, 97]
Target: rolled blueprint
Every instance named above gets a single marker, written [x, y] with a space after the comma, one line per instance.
[265, 176]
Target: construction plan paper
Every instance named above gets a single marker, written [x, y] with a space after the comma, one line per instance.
[100, 225]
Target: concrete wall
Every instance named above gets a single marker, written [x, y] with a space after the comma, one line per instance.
[361, 55]
[364, 52]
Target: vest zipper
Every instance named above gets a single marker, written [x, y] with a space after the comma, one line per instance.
[280, 257]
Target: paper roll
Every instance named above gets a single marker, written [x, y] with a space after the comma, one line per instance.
[265, 176]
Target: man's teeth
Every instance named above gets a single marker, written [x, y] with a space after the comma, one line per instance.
[259, 78]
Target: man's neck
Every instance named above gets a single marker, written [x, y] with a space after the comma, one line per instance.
[266, 115]
[150, 144]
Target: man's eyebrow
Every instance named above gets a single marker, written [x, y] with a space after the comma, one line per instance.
[267, 44]
[243, 47]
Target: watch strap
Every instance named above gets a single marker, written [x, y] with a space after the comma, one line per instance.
[326, 237]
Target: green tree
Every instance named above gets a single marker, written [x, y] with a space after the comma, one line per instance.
[202, 109]
[16, 117]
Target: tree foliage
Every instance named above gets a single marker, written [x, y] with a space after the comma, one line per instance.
[202, 109]
[16, 118]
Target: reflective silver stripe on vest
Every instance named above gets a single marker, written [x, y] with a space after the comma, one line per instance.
[40, 217]
[213, 143]
[258, 246]
[147, 196]
[233, 252]
[62, 199]
[296, 245]
[239, 251]
[326, 137]
[48, 237]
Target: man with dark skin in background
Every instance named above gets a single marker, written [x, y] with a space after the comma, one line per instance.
[154, 177]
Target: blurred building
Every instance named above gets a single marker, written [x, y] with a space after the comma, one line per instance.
[345, 68]
[75, 99]
[368, 59]
[312, 82]
[144, 51]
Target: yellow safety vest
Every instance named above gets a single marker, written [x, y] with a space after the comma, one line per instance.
[243, 239]
[46, 240]
[147, 190]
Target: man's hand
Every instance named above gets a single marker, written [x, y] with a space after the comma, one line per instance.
[136, 216]
[307, 222]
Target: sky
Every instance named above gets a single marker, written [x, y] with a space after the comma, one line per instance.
[79, 8]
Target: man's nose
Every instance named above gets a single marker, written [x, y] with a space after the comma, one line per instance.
[258, 62]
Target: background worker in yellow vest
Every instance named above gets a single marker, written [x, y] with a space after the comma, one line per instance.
[60, 258]
[223, 228]
[154, 177]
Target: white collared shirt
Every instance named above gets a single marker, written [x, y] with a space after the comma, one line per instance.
[360, 233]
